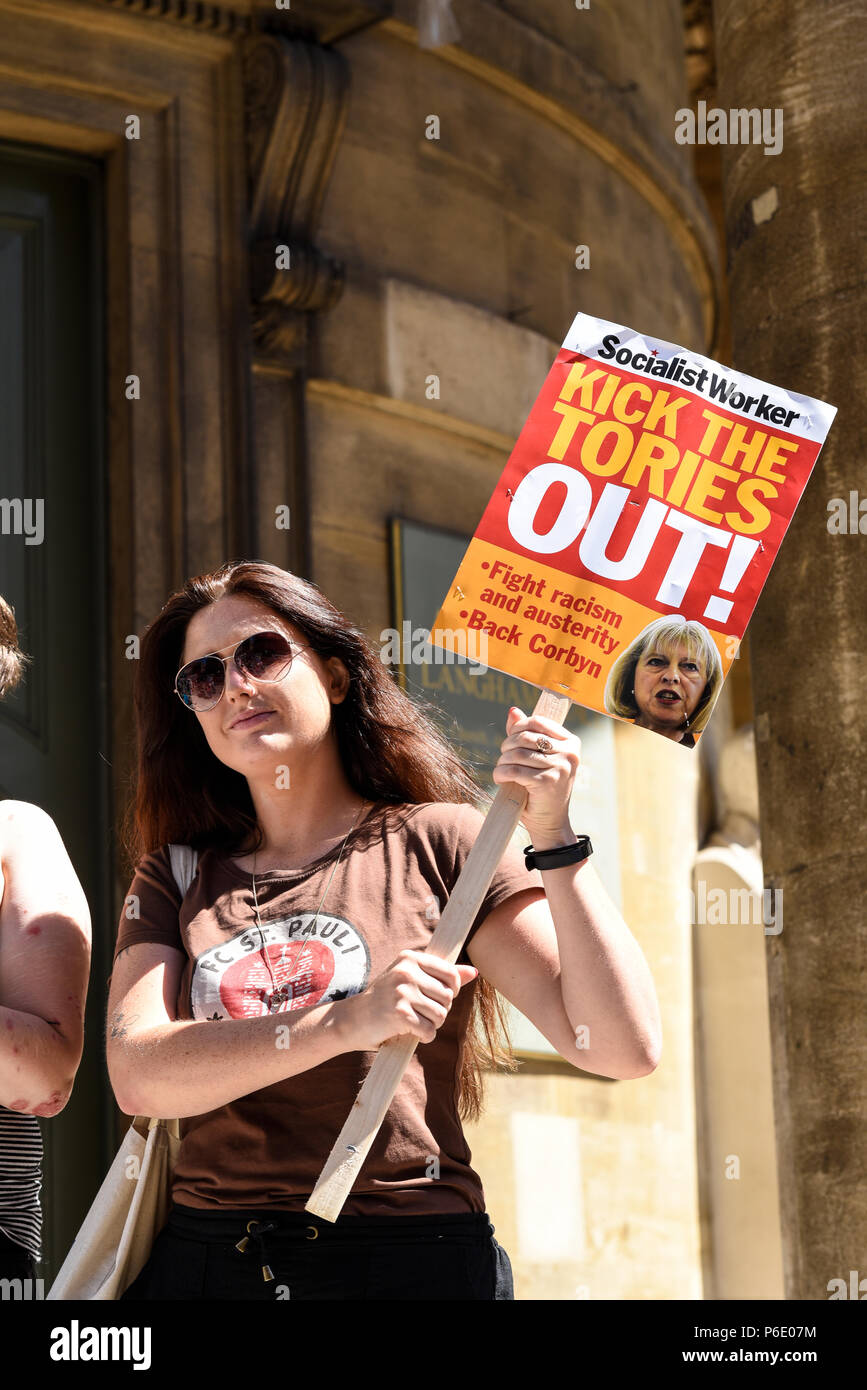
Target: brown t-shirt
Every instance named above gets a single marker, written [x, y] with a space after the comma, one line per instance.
[391, 883]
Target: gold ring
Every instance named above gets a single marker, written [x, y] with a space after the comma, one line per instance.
[544, 745]
[315, 1231]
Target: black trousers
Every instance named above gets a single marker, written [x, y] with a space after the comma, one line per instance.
[451, 1257]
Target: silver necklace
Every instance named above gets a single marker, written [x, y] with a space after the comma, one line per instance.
[275, 990]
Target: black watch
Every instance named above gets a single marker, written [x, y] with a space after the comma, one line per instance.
[556, 858]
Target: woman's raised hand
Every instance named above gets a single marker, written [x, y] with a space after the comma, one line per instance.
[413, 996]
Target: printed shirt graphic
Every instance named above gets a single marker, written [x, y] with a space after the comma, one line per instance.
[291, 964]
[395, 875]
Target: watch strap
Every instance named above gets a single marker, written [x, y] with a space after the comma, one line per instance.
[558, 857]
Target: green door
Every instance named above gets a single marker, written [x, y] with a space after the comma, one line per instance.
[52, 729]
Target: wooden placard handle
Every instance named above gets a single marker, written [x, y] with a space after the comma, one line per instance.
[376, 1094]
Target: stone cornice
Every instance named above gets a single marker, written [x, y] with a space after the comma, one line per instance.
[323, 21]
[223, 18]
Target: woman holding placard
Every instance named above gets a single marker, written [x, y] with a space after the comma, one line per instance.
[331, 821]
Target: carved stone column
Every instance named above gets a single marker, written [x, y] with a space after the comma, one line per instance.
[797, 304]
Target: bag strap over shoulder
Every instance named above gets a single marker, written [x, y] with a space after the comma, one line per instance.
[184, 861]
[143, 1124]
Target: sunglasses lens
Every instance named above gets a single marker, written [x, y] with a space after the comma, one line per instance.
[200, 684]
[266, 656]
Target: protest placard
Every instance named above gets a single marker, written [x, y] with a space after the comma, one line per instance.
[633, 527]
[616, 565]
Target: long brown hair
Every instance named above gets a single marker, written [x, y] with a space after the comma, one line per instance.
[390, 746]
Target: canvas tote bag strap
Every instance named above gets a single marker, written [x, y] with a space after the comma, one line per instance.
[143, 1124]
[184, 861]
[114, 1242]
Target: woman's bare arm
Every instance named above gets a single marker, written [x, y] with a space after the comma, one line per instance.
[160, 1065]
[566, 959]
[44, 962]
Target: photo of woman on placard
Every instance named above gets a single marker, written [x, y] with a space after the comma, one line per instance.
[667, 679]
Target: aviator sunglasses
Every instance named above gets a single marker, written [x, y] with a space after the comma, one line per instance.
[263, 656]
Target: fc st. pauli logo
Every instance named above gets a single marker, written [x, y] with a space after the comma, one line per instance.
[293, 963]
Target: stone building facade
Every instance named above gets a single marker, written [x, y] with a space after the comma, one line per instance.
[282, 224]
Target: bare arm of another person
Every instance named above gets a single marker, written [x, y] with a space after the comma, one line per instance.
[44, 962]
[160, 1065]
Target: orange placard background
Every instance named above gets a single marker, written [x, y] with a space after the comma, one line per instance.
[574, 663]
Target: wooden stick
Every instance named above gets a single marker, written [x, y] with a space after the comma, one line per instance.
[376, 1094]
